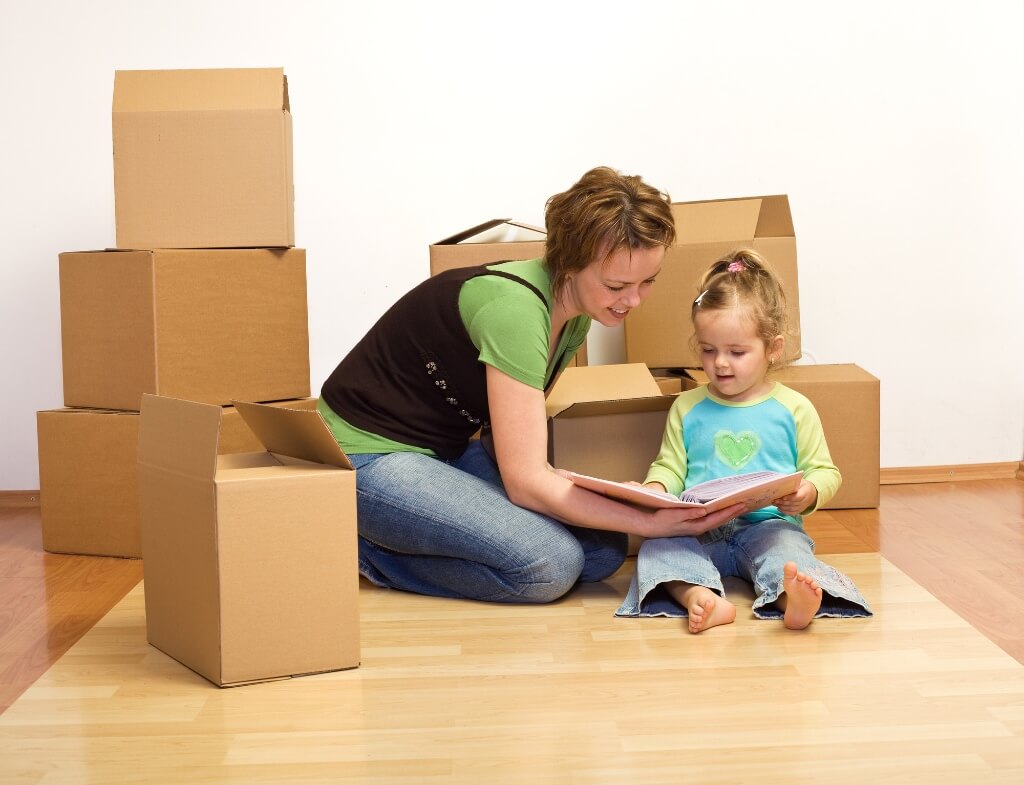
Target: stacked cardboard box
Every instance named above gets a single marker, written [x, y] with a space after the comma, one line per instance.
[189, 304]
[202, 304]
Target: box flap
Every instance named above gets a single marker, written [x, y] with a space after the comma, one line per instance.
[601, 383]
[727, 220]
[508, 232]
[497, 230]
[458, 238]
[293, 432]
[200, 89]
[776, 219]
[618, 406]
[179, 436]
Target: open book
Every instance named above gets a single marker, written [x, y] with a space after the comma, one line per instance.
[755, 490]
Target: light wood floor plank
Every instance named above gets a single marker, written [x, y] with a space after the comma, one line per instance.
[458, 692]
[455, 692]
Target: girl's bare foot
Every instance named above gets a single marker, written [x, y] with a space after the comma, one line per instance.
[802, 597]
[704, 608]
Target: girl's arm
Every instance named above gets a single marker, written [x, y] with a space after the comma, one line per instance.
[519, 427]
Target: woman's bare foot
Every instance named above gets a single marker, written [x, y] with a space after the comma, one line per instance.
[704, 608]
[802, 597]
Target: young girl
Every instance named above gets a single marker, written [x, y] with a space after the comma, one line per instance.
[741, 422]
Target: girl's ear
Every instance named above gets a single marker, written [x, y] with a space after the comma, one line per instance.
[775, 347]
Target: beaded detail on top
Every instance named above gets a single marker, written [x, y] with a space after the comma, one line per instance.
[442, 384]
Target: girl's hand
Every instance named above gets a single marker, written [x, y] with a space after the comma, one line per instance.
[802, 499]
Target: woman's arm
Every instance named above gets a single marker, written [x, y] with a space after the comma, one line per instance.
[519, 427]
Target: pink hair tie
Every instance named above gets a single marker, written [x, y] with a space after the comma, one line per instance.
[736, 267]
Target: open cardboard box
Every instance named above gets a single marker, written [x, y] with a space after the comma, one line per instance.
[89, 478]
[205, 325]
[658, 332]
[497, 240]
[250, 559]
[203, 158]
[606, 420]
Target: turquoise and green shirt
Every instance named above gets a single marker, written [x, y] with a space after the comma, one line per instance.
[707, 437]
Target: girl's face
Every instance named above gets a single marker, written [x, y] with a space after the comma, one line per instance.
[734, 356]
[608, 290]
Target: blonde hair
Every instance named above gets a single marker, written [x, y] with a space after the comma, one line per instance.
[601, 213]
[743, 279]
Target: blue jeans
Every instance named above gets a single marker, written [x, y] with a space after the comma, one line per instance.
[446, 528]
[754, 551]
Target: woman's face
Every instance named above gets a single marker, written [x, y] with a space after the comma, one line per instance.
[608, 290]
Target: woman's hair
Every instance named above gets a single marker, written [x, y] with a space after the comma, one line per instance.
[743, 280]
[601, 213]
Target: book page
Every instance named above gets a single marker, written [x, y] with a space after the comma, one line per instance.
[755, 491]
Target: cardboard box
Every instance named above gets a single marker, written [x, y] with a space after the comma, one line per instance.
[203, 159]
[658, 332]
[497, 240]
[250, 559]
[606, 420]
[673, 381]
[203, 325]
[847, 400]
[88, 489]
[88, 476]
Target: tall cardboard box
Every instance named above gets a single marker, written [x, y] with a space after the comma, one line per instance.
[88, 475]
[658, 332]
[250, 559]
[203, 325]
[497, 240]
[847, 399]
[203, 158]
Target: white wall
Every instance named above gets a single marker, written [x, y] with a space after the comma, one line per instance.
[895, 128]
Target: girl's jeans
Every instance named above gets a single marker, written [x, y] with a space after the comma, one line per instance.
[446, 528]
[755, 551]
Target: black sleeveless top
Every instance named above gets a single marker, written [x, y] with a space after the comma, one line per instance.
[415, 377]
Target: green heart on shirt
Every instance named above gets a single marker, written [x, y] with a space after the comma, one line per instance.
[736, 449]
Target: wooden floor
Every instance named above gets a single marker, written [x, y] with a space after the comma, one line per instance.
[930, 690]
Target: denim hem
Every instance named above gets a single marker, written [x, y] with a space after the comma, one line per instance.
[637, 599]
[833, 604]
[839, 597]
[369, 572]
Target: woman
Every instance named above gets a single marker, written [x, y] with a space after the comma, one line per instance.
[475, 349]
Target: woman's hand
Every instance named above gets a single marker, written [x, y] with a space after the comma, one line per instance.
[803, 498]
[519, 425]
[688, 521]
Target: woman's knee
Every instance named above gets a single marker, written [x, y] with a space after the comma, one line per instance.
[605, 558]
[548, 577]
